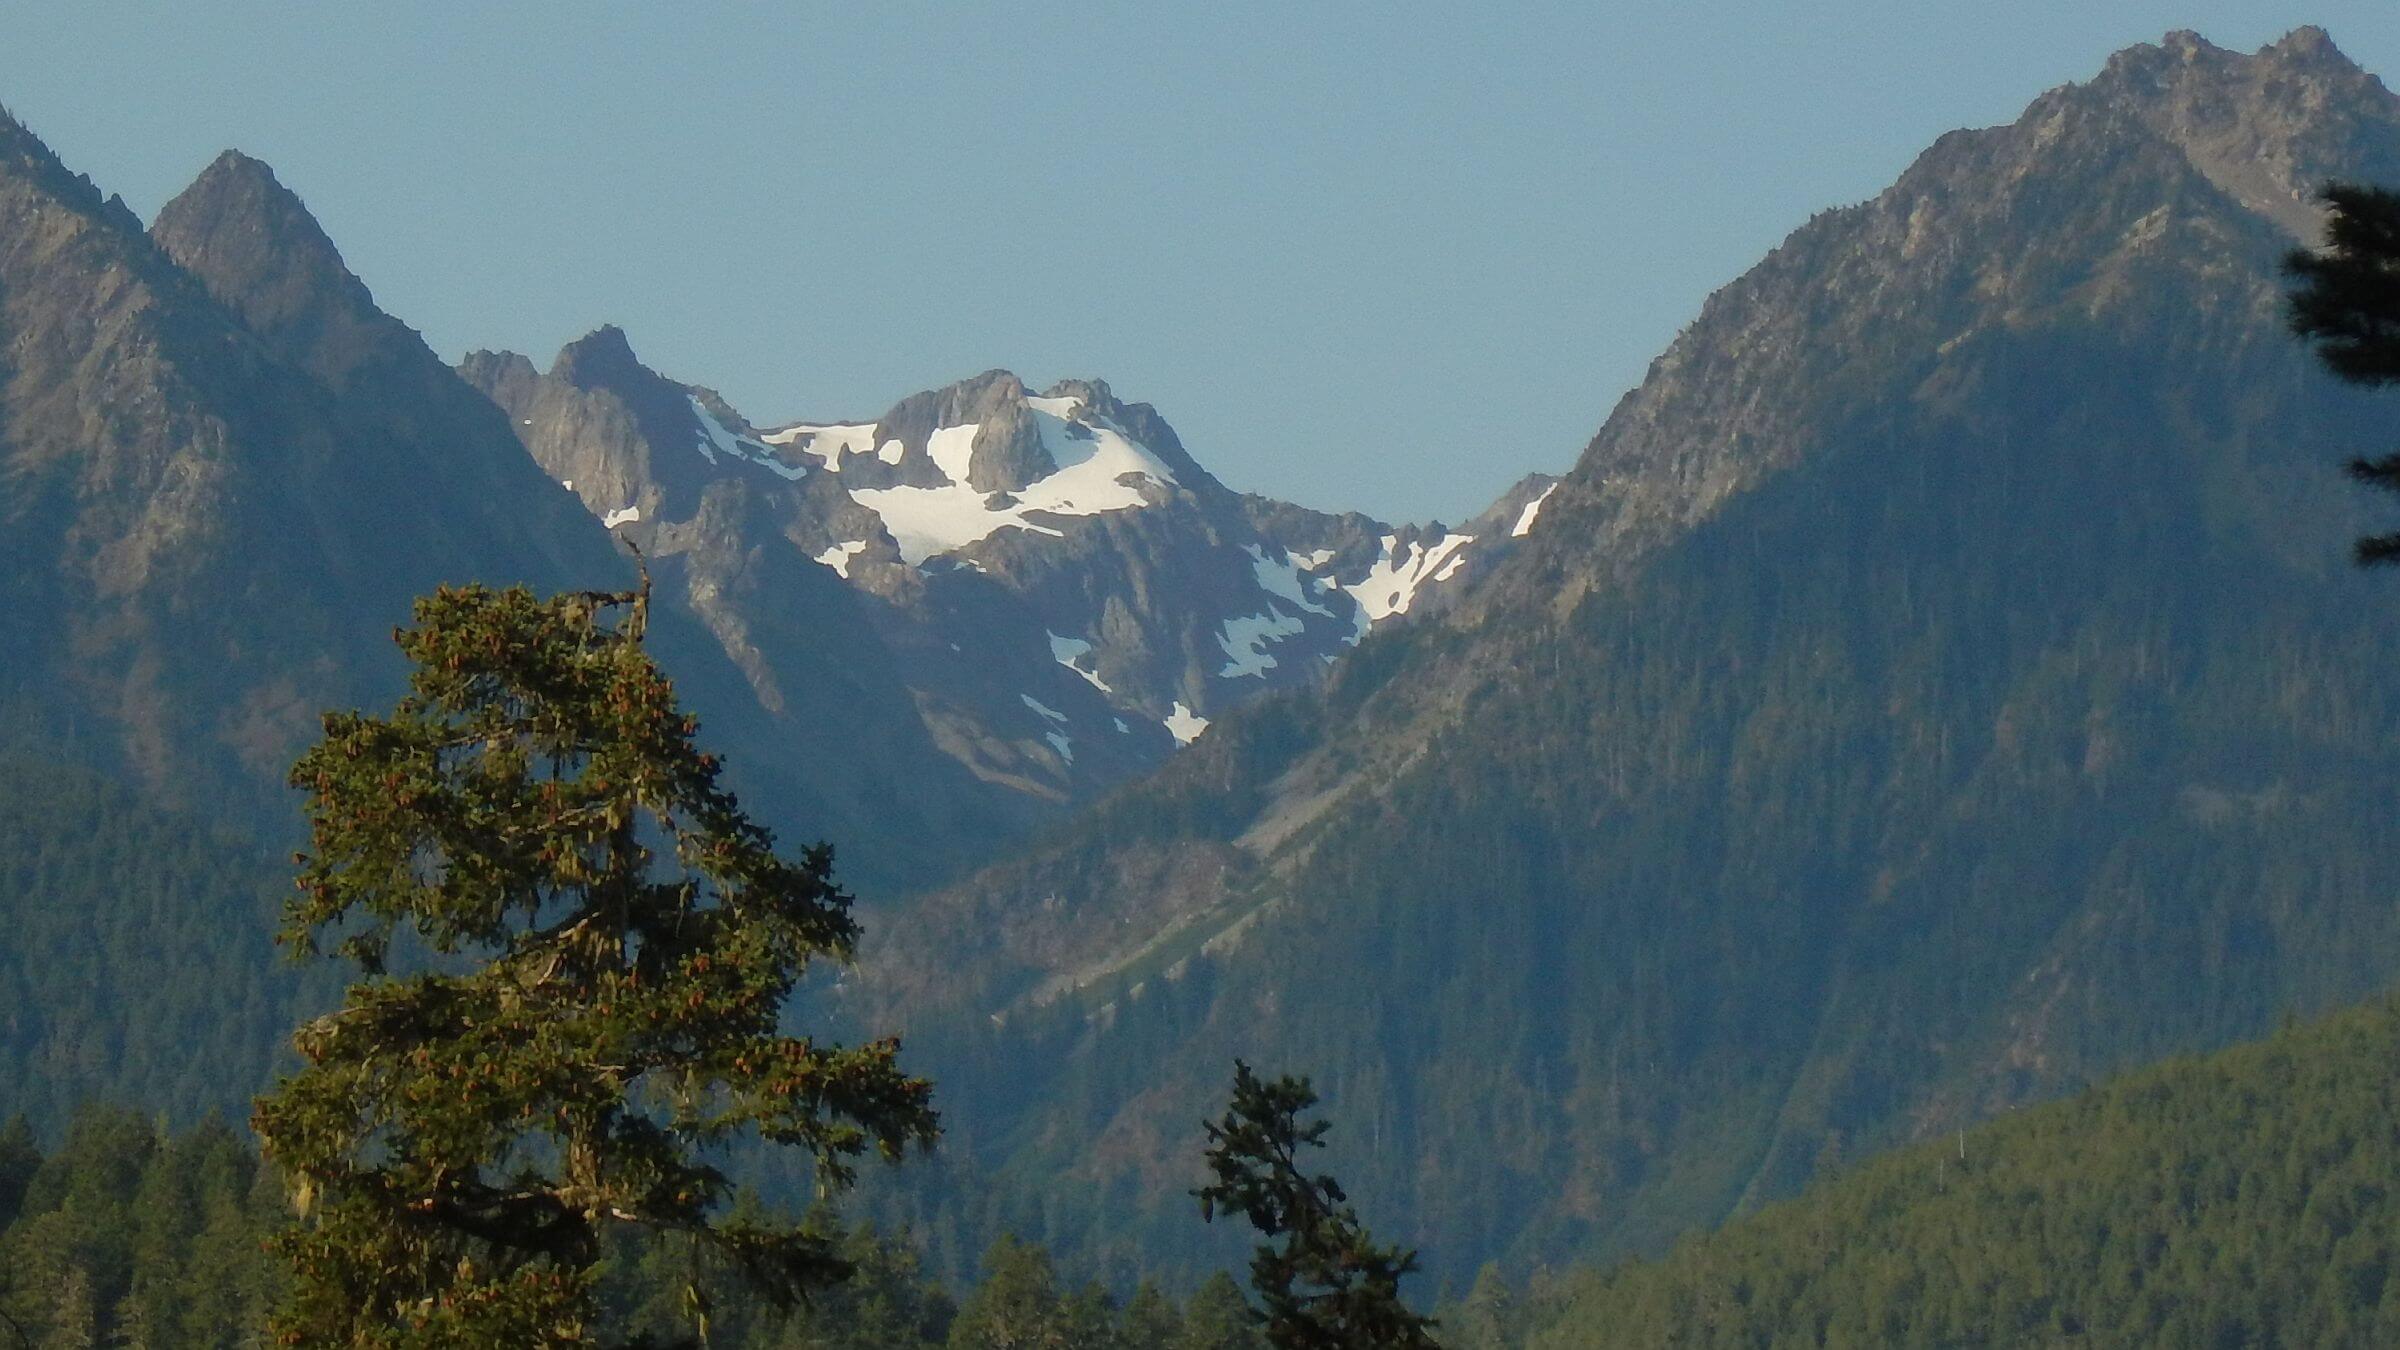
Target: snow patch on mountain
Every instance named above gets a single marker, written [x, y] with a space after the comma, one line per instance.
[718, 439]
[623, 515]
[1391, 585]
[1525, 518]
[828, 443]
[1281, 578]
[1099, 469]
[838, 557]
[1043, 708]
[1245, 640]
[1183, 724]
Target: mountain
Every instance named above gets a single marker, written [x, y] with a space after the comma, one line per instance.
[2240, 1199]
[211, 526]
[230, 472]
[1939, 684]
[1050, 584]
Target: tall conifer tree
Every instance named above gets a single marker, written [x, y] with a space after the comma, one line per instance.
[611, 944]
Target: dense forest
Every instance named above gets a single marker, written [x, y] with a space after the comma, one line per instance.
[2246, 1198]
[2243, 1198]
[139, 965]
[129, 1234]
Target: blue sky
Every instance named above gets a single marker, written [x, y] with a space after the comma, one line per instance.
[1385, 257]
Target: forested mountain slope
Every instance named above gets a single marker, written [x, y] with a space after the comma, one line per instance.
[1940, 683]
[2241, 1199]
[137, 956]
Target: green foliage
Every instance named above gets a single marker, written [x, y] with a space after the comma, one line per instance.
[1019, 1304]
[2347, 303]
[130, 1237]
[1219, 1318]
[1491, 1317]
[613, 943]
[1324, 1283]
[130, 969]
[2248, 1198]
[126, 1236]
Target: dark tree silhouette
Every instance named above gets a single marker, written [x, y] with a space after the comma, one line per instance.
[2347, 304]
[1322, 1282]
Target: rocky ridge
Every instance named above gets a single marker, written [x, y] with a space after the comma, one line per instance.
[1064, 593]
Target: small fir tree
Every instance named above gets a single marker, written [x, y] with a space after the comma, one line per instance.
[1218, 1318]
[20, 1158]
[1151, 1320]
[612, 943]
[1016, 1305]
[1322, 1281]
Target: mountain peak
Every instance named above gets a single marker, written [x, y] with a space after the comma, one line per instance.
[232, 165]
[2267, 127]
[2307, 43]
[25, 156]
[601, 358]
[237, 211]
[252, 242]
[2307, 48]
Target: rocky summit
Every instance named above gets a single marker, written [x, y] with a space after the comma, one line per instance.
[1052, 582]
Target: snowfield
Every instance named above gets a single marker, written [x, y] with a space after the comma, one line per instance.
[1105, 471]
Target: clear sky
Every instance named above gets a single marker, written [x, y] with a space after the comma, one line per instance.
[1385, 257]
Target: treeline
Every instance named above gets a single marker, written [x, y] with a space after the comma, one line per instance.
[2247, 1198]
[2250, 1198]
[130, 1234]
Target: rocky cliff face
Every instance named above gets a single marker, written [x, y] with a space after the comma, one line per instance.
[208, 535]
[1938, 683]
[1053, 584]
[230, 472]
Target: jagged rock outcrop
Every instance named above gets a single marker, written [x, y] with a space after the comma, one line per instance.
[1055, 586]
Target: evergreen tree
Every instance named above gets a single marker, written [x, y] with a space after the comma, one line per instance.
[1487, 1320]
[18, 1160]
[1218, 1318]
[1151, 1321]
[2347, 303]
[886, 1304]
[611, 945]
[1016, 1307]
[1324, 1283]
[1088, 1321]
